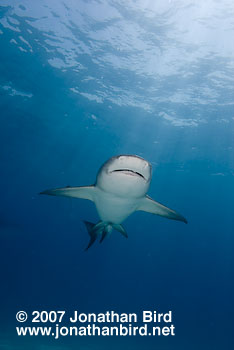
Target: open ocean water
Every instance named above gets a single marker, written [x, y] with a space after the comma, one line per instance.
[80, 82]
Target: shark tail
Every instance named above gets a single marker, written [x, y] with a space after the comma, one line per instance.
[93, 236]
[102, 229]
[95, 230]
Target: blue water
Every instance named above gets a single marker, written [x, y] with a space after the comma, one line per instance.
[80, 82]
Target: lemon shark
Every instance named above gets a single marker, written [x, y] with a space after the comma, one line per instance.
[120, 189]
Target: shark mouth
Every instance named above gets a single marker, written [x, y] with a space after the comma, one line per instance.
[129, 172]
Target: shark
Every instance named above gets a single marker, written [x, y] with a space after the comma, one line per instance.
[120, 189]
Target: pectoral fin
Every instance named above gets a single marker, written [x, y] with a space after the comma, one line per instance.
[85, 192]
[149, 205]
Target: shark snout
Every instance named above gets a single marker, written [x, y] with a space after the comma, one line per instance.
[130, 165]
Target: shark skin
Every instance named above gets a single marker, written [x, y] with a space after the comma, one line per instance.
[120, 189]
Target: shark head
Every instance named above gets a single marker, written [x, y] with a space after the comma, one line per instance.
[125, 175]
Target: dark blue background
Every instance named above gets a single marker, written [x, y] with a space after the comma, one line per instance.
[50, 140]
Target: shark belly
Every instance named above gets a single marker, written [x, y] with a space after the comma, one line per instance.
[112, 208]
